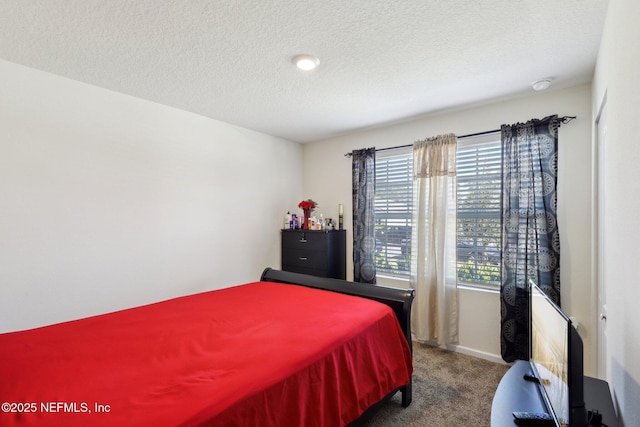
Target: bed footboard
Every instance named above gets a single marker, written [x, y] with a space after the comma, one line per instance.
[399, 300]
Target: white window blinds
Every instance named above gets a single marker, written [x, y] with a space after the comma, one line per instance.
[479, 177]
[393, 205]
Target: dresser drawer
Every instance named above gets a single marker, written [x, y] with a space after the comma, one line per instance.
[305, 258]
[305, 270]
[304, 240]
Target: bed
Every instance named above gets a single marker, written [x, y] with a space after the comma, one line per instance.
[287, 350]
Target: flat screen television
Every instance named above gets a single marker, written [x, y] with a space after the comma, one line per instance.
[556, 358]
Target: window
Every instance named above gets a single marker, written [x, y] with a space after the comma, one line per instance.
[393, 205]
[479, 230]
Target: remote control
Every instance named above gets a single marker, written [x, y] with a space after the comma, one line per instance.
[537, 418]
[530, 377]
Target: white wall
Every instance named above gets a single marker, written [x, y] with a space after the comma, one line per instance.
[328, 180]
[616, 76]
[108, 201]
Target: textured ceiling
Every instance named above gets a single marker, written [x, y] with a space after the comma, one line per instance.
[380, 61]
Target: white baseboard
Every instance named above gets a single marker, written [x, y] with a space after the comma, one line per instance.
[476, 353]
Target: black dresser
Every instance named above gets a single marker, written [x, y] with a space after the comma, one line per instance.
[315, 252]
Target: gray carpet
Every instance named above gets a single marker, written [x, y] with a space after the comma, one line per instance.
[449, 389]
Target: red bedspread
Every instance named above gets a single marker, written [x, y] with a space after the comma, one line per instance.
[261, 354]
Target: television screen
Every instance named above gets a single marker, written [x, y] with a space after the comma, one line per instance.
[549, 358]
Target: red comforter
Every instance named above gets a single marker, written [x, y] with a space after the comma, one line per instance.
[260, 354]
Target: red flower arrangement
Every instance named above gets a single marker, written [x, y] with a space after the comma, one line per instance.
[307, 204]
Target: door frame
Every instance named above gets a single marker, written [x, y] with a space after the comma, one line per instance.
[599, 295]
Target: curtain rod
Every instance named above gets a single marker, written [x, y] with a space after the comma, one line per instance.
[562, 120]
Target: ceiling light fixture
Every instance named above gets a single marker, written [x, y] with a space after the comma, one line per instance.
[541, 84]
[306, 62]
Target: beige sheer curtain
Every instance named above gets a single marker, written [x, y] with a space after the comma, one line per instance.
[434, 316]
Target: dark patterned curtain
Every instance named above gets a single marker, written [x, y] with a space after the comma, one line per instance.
[364, 192]
[530, 239]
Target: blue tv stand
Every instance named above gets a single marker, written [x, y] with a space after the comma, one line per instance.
[514, 393]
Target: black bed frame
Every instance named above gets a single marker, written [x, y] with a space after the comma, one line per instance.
[398, 299]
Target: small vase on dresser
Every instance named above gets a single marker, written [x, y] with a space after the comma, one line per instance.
[307, 215]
